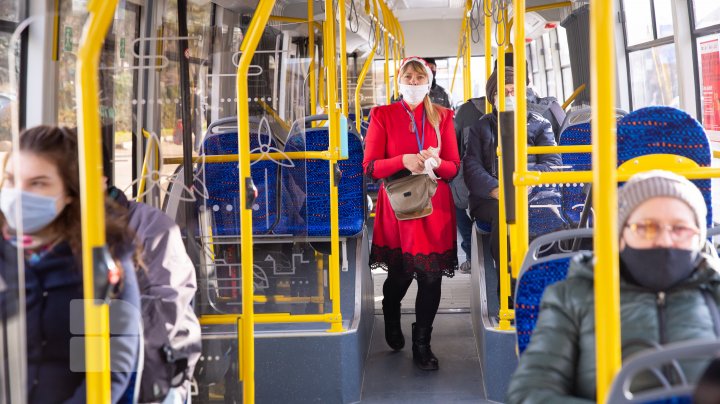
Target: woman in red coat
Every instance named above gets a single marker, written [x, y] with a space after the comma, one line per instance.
[399, 141]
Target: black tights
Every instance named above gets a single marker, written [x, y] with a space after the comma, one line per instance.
[426, 302]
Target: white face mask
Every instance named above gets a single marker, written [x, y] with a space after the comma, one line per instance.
[509, 103]
[414, 94]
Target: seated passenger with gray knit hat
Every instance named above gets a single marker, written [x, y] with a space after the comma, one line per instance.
[669, 292]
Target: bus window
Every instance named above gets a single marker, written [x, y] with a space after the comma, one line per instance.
[6, 94]
[653, 76]
[641, 29]
[707, 13]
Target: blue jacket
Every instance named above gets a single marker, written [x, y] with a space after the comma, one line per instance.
[55, 327]
[480, 162]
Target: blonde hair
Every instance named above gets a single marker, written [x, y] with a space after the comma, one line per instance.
[433, 116]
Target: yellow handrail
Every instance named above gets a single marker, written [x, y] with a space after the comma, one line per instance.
[573, 96]
[97, 326]
[343, 59]
[604, 158]
[461, 43]
[334, 117]
[519, 248]
[283, 124]
[488, 58]
[559, 149]
[467, 55]
[362, 75]
[149, 152]
[506, 315]
[229, 158]
[246, 369]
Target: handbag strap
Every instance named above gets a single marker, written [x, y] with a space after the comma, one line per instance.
[439, 139]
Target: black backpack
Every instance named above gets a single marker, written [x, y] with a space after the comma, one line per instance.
[163, 367]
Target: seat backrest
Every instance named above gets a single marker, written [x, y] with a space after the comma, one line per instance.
[220, 180]
[544, 215]
[665, 130]
[311, 217]
[536, 274]
[653, 360]
[573, 195]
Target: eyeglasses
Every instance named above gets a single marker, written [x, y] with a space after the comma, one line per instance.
[650, 230]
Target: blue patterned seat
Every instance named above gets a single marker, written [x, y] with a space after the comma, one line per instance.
[573, 196]
[544, 215]
[530, 289]
[665, 130]
[309, 214]
[221, 183]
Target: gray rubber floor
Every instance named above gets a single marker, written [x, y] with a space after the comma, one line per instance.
[391, 377]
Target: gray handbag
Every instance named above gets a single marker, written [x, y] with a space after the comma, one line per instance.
[411, 195]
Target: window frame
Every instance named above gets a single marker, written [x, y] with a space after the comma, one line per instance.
[656, 42]
[9, 27]
[695, 35]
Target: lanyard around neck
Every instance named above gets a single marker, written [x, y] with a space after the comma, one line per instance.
[420, 141]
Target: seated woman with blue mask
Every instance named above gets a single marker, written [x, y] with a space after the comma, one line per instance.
[669, 289]
[45, 195]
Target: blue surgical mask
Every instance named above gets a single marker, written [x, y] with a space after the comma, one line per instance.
[37, 211]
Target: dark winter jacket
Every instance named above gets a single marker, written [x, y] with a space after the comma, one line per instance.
[439, 96]
[169, 285]
[480, 162]
[55, 330]
[559, 364]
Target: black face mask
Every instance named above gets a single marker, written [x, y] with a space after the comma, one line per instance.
[434, 83]
[658, 269]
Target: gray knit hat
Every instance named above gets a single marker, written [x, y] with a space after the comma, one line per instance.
[655, 183]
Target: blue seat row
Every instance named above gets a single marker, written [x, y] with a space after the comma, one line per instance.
[651, 130]
[297, 191]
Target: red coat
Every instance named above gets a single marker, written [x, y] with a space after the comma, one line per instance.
[427, 244]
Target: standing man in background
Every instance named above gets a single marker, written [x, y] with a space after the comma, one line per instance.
[437, 94]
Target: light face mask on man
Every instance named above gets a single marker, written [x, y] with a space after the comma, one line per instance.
[37, 211]
[509, 103]
[414, 94]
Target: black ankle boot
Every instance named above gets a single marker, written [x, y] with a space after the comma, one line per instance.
[422, 354]
[393, 332]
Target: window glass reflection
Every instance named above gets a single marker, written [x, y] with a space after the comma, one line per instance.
[707, 13]
[663, 18]
[638, 21]
[6, 95]
[653, 77]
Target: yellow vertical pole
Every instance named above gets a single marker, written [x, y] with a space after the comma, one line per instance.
[322, 83]
[361, 80]
[505, 314]
[488, 57]
[97, 317]
[247, 49]
[467, 77]
[607, 292]
[333, 115]
[460, 53]
[519, 248]
[343, 58]
[311, 55]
